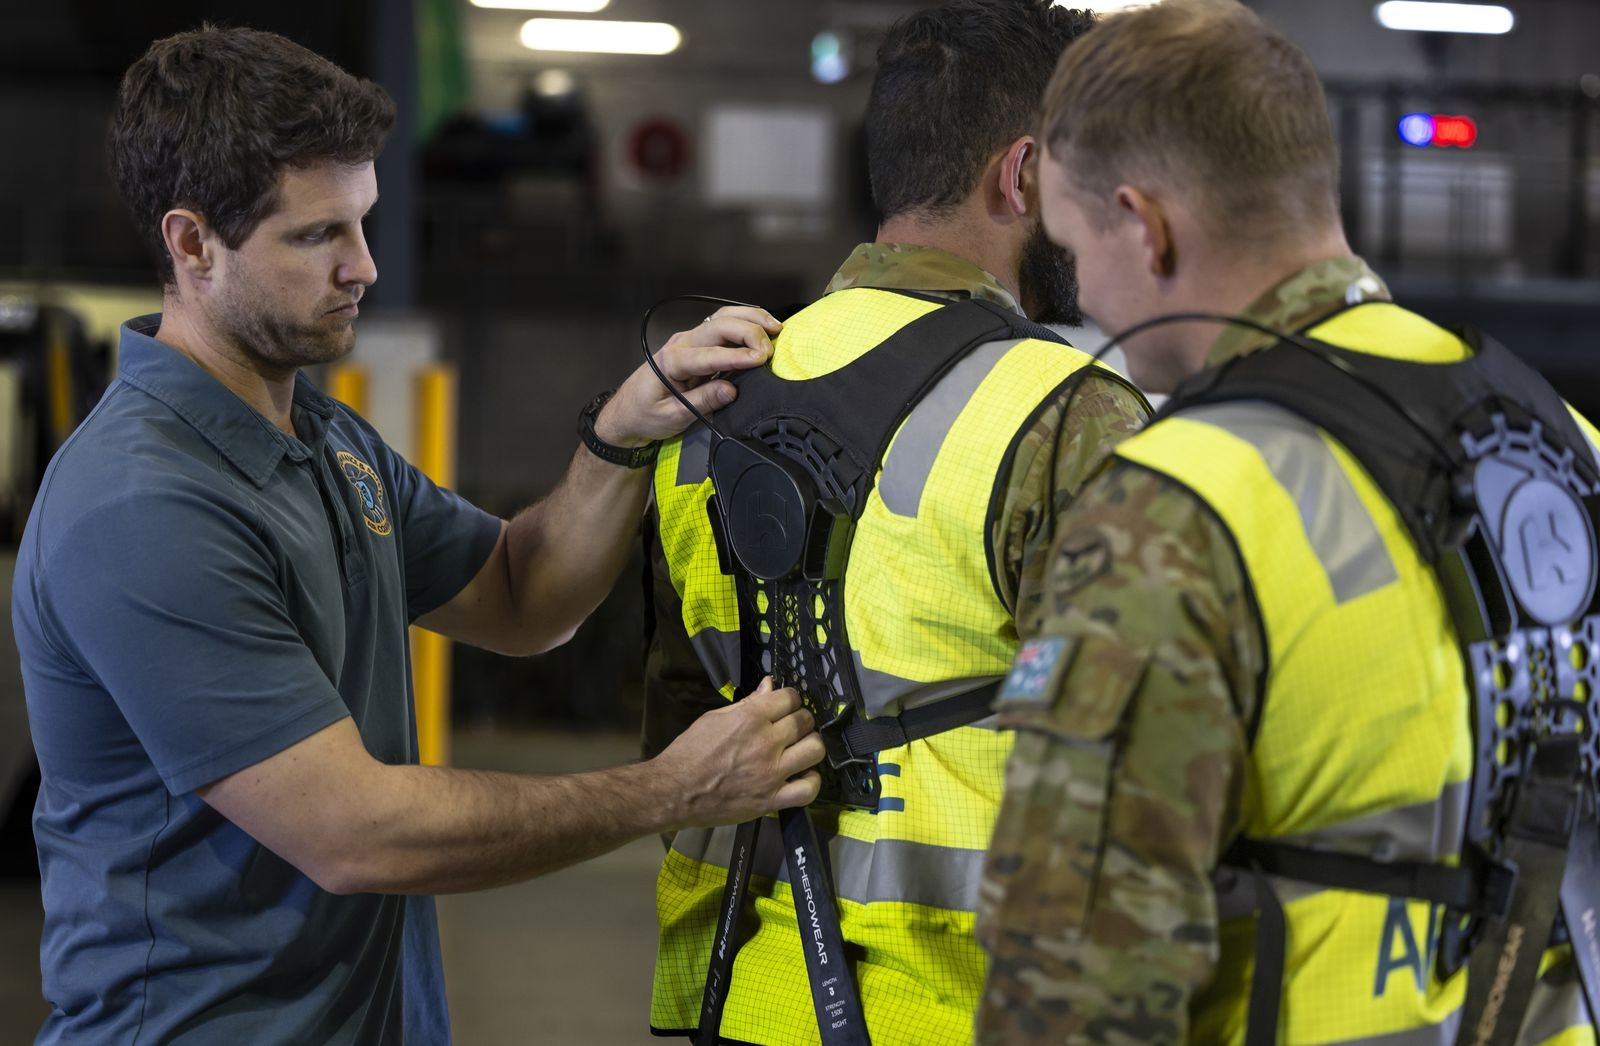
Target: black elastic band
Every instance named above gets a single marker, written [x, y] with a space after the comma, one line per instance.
[1266, 983]
[1477, 889]
[1504, 968]
[840, 1021]
[1580, 906]
[725, 945]
[867, 737]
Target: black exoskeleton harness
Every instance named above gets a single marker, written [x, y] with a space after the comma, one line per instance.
[1498, 487]
[791, 480]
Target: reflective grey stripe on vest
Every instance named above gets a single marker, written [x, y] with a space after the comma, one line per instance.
[890, 870]
[883, 693]
[694, 457]
[910, 460]
[719, 654]
[1420, 832]
[1556, 1006]
[1441, 1034]
[1336, 522]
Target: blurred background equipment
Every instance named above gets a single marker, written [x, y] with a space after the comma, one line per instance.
[560, 164]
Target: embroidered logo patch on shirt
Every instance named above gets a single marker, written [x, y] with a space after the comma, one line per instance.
[1034, 669]
[370, 489]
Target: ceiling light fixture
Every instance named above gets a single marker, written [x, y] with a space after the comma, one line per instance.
[577, 7]
[1424, 16]
[598, 36]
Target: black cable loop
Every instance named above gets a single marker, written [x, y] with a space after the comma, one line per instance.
[650, 358]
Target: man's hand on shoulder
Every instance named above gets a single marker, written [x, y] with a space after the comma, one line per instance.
[643, 411]
[744, 760]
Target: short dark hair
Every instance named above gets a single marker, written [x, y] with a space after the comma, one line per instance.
[209, 119]
[1200, 96]
[955, 85]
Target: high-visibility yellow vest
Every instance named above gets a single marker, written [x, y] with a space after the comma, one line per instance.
[924, 622]
[1364, 742]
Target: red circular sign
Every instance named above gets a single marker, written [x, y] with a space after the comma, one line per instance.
[658, 148]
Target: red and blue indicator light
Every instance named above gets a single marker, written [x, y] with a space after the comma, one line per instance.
[1441, 132]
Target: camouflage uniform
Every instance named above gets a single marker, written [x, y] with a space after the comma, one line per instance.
[1052, 461]
[1130, 703]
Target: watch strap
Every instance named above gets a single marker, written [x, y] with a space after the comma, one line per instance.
[627, 457]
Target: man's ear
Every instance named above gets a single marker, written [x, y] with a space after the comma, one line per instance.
[191, 242]
[1019, 179]
[1153, 227]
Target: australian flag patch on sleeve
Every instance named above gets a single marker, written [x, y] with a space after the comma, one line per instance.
[1035, 670]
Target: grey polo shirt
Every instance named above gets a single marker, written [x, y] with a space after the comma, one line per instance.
[196, 591]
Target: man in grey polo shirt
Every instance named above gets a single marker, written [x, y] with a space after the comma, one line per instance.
[213, 592]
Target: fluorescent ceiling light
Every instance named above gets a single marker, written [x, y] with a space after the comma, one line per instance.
[1425, 17]
[581, 7]
[599, 36]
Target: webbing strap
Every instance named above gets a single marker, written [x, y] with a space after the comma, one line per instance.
[1505, 964]
[868, 737]
[860, 406]
[1266, 983]
[833, 988]
[1580, 906]
[1480, 887]
[840, 1021]
[1519, 898]
[725, 945]
[1477, 888]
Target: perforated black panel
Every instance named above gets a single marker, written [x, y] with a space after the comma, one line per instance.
[802, 641]
[1534, 683]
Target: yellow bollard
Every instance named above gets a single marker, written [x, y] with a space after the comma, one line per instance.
[434, 427]
[435, 455]
[58, 370]
[347, 383]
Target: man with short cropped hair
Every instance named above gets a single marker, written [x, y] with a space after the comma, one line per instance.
[946, 556]
[1246, 695]
[213, 593]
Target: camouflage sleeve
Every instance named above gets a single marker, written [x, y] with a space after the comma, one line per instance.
[676, 691]
[1054, 457]
[1130, 703]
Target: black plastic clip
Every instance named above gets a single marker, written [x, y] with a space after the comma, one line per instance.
[850, 779]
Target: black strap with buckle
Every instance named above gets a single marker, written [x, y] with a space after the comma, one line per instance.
[852, 740]
[1504, 967]
[833, 990]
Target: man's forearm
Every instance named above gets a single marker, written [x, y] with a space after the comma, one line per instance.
[442, 831]
[565, 552]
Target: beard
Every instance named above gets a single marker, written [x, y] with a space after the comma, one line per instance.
[261, 331]
[1049, 281]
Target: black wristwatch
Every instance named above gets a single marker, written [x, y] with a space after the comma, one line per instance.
[627, 457]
